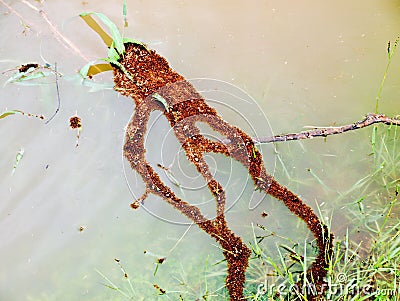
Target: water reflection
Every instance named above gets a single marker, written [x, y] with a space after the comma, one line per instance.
[308, 64]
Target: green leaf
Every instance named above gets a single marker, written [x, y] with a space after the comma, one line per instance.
[91, 69]
[134, 41]
[83, 72]
[26, 76]
[8, 113]
[120, 66]
[99, 68]
[95, 87]
[97, 28]
[162, 100]
[116, 36]
[124, 12]
[31, 76]
[113, 54]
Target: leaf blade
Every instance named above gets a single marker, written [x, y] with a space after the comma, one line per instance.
[18, 158]
[115, 34]
[11, 112]
[161, 99]
[97, 28]
[99, 68]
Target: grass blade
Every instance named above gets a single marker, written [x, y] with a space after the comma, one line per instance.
[97, 28]
[113, 55]
[124, 12]
[8, 113]
[25, 76]
[18, 158]
[115, 34]
[98, 68]
[91, 69]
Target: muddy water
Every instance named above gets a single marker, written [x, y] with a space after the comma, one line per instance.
[64, 212]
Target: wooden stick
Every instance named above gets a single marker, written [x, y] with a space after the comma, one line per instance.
[327, 131]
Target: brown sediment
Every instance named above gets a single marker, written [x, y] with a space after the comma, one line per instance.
[183, 107]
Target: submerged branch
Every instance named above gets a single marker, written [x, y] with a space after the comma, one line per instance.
[327, 131]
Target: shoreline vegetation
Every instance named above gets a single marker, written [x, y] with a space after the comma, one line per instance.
[333, 271]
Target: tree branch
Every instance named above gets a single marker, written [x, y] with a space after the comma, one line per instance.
[327, 131]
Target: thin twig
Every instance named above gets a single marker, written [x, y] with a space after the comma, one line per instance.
[327, 131]
[58, 35]
[58, 95]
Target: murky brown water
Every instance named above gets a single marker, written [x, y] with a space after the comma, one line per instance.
[305, 64]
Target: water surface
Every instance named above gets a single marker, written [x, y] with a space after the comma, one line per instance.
[65, 211]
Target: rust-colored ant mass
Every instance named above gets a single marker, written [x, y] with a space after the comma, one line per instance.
[183, 106]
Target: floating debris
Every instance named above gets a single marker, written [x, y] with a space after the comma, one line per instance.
[76, 123]
[26, 67]
[13, 112]
[158, 262]
[160, 290]
[27, 72]
[18, 158]
[161, 260]
[24, 74]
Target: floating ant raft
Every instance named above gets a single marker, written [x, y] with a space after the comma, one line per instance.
[153, 85]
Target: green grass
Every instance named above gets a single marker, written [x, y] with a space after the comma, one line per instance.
[364, 266]
[367, 256]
